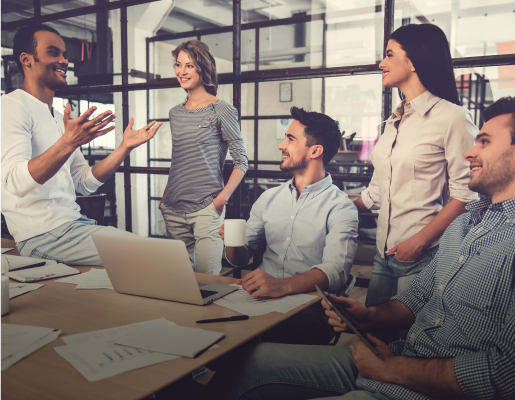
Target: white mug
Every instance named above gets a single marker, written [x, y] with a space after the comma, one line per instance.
[234, 232]
[5, 295]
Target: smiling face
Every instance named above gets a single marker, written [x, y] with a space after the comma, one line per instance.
[492, 162]
[186, 73]
[49, 64]
[397, 67]
[294, 149]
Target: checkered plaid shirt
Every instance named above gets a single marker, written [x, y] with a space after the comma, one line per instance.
[464, 302]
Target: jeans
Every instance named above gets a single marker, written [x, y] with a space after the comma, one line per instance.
[289, 372]
[199, 232]
[69, 243]
[391, 277]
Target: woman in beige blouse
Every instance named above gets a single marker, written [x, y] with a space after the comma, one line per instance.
[420, 181]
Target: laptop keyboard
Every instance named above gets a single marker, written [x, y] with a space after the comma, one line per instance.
[206, 293]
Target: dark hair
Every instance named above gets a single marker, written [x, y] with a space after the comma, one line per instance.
[25, 42]
[505, 105]
[319, 129]
[204, 61]
[427, 48]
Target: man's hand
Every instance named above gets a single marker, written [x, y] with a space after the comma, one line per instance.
[368, 364]
[351, 308]
[221, 233]
[81, 130]
[259, 283]
[134, 138]
[409, 250]
[163, 198]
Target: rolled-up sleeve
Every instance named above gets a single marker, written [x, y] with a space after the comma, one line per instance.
[341, 243]
[231, 133]
[490, 374]
[82, 174]
[16, 149]
[459, 138]
[371, 195]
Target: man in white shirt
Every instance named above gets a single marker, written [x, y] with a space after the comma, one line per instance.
[42, 165]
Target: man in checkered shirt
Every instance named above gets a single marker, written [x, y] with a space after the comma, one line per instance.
[460, 311]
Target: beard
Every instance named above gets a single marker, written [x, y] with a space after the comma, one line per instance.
[49, 79]
[496, 176]
[294, 166]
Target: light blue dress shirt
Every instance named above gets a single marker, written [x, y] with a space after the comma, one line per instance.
[318, 229]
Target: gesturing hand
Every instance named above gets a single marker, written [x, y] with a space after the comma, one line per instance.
[81, 130]
[259, 283]
[134, 138]
[350, 308]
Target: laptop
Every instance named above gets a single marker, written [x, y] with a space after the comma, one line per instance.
[157, 268]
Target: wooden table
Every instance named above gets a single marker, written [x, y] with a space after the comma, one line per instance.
[46, 375]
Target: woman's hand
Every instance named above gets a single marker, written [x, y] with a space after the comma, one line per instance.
[219, 204]
[409, 250]
[163, 198]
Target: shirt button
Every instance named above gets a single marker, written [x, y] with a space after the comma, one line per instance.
[287, 238]
[461, 258]
[412, 336]
[388, 200]
[281, 257]
[388, 155]
[199, 126]
[389, 178]
[440, 288]
[437, 321]
[292, 217]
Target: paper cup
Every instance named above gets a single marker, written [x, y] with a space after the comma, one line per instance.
[234, 232]
[5, 295]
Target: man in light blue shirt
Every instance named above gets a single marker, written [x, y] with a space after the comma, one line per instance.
[309, 226]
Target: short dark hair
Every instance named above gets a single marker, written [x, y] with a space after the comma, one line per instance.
[319, 129]
[24, 41]
[428, 49]
[505, 105]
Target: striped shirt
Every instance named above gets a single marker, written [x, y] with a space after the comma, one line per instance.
[200, 139]
[464, 302]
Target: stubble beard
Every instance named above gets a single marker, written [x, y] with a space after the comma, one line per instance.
[496, 177]
[295, 166]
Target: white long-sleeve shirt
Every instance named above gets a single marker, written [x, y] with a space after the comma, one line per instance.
[419, 166]
[31, 209]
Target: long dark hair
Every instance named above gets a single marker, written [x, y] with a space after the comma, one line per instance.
[427, 47]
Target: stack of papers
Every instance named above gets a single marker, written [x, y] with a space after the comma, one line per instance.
[96, 356]
[6, 249]
[242, 302]
[15, 267]
[18, 341]
[17, 289]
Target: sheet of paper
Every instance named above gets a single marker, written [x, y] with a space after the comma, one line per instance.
[17, 289]
[103, 359]
[42, 273]
[166, 337]
[96, 357]
[6, 249]
[17, 337]
[7, 362]
[242, 302]
[95, 279]
[74, 279]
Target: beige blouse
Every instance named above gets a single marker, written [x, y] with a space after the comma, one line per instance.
[419, 166]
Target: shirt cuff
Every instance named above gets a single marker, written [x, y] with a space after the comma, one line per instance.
[91, 183]
[472, 374]
[337, 277]
[465, 195]
[367, 201]
[410, 301]
[241, 166]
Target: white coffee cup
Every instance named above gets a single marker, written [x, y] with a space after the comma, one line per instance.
[234, 232]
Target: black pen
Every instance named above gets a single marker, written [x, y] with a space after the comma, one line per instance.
[234, 318]
[29, 266]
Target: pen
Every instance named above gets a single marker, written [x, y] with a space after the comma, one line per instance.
[30, 266]
[233, 318]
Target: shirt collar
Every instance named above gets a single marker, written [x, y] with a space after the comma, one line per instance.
[478, 209]
[316, 188]
[420, 104]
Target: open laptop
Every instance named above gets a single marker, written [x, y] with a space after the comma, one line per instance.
[157, 268]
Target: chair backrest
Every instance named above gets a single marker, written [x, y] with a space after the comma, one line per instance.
[93, 206]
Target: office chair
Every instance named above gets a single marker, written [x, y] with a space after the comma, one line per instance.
[93, 206]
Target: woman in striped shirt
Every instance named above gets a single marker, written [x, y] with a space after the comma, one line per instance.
[203, 129]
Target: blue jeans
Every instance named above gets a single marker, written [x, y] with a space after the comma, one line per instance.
[287, 372]
[69, 243]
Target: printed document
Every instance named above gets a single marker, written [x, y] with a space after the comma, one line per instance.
[166, 337]
[17, 289]
[74, 279]
[95, 279]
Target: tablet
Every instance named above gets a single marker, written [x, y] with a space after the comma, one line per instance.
[349, 324]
